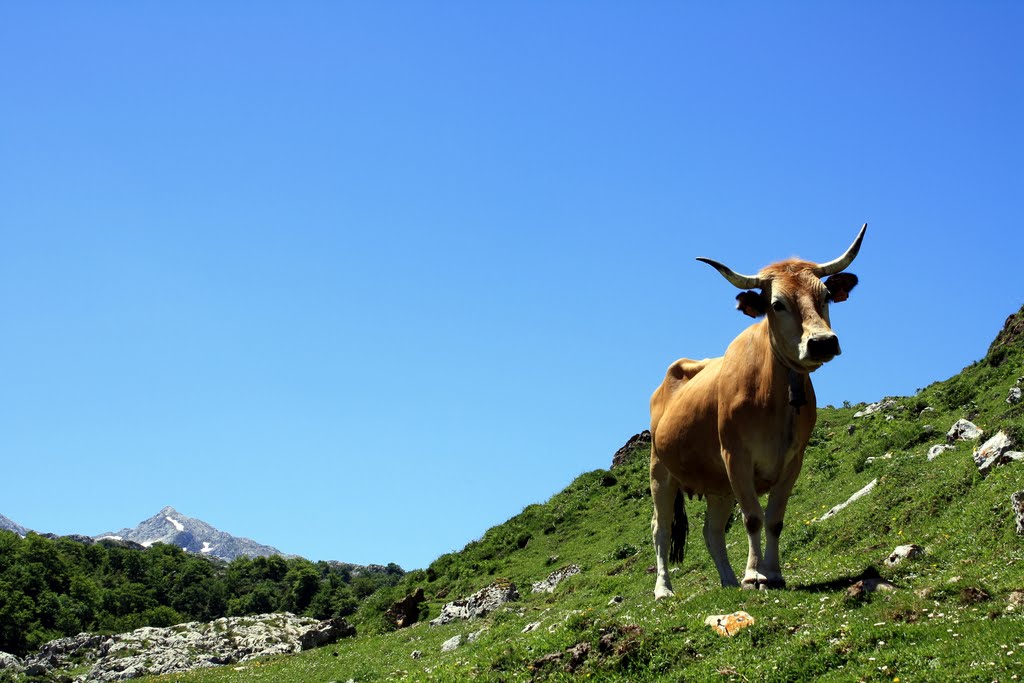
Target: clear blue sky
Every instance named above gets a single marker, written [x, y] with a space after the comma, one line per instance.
[361, 280]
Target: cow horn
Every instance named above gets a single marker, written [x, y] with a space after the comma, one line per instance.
[840, 264]
[740, 281]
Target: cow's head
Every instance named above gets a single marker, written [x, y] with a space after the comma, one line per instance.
[795, 298]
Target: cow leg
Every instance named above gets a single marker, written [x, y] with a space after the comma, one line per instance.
[776, 511]
[753, 520]
[715, 521]
[742, 478]
[664, 490]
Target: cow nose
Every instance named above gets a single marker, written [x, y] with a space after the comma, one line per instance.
[823, 347]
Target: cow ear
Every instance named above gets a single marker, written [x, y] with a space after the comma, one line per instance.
[840, 285]
[751, 303]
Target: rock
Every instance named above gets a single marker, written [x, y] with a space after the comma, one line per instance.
[406, 611]
[326, 633]
[869, 585]
[873, 408]
[578, 654]
[549, 584]
[996, 451]
[635, 442]
[1017, 506]
[617, 600]
[451, 644]
[937, 450]
[887, 456]
[85, 647]
[926, 409]
[903, 552]
[729, 624]
[532, 626]
[972, 595]
[850, 429]
[551, 658]
[1014, 397]
[963, 430]
[479, 604]
[416, 654]
[1012, 332]
[10, 663]
[859, 494]
[1015, 600]
[471, 638]
[620, 640]
[36, 669]
[153, 651]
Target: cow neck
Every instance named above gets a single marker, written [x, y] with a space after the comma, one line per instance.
[794, 375]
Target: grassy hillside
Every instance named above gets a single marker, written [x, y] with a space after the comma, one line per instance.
[948, 618]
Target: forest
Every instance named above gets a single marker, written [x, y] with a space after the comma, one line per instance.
[56, 587]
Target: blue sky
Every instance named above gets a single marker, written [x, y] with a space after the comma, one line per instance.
[361, 280]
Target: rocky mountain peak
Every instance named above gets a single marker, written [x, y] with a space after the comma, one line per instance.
[10, 525]
[170, 527]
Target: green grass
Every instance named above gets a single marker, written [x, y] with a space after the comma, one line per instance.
[947, 619]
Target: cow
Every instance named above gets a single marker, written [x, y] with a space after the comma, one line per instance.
[733, 428]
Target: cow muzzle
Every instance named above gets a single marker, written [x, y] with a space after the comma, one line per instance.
[822, 348]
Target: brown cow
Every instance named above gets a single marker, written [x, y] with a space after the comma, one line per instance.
[734, 428]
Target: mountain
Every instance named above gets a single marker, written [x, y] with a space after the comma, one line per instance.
[194, 535]
[10, 525]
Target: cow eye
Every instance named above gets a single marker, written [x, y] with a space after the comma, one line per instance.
[779, 306]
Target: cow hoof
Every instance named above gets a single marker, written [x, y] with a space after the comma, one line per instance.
[752, 583]
[762, 583]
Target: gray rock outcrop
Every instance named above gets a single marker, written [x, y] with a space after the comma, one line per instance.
[326, 632]
[937, 450]
[842, 506]
[963, 430]
[635, 442]
[903, 552]
[994, 452]
[9, 662]
[556, 577]
[873, 408]
[479, 604]
[152, 651]
[1017, 504]
[451, 644]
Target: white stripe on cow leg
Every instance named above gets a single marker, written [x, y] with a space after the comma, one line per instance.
[717, 518]
[663, 490]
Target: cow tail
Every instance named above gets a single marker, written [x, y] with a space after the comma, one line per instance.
[680, 527]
